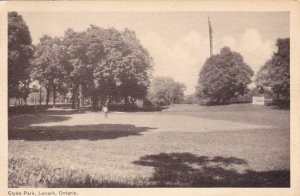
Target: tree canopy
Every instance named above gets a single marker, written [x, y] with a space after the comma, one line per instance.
[50, 64]
[101, 64]
[223, 77]
[166, 91]
[19, 55]
[275, 73]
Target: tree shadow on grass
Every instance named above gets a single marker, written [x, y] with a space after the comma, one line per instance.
[27, 120]
[188, 170]
[77, 132]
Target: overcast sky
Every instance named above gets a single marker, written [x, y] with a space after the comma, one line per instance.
[178, 41]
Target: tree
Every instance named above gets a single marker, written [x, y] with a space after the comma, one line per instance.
[275, 74]
[19, 55]
[136, 73]
[191, 99]
[223, 77]
[49, 65]
[85, 52]
[98, 63]
[108, 71]
[165, 91]
[124, 70]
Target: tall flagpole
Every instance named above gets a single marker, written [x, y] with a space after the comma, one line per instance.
[210, 37]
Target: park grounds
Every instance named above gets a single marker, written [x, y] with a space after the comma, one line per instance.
[238, 145]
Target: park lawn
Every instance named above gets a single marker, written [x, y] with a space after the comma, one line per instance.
[182, 146]
[258, 114]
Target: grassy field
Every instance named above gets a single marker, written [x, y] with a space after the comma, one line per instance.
[183, 146]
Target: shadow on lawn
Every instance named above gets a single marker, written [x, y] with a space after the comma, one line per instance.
[77, 132]
[188, 170]
[27, 120]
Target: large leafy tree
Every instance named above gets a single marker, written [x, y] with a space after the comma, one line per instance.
[223, 77]
[124, 71]
[49, 65]
[19, 55]
[98, 63]
[107, 72]
[134, 77]
[85, 53]
[275, 74]
[166, 91]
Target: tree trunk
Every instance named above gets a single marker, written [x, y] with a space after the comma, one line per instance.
[102, 101]
[73, 98]
[40, 95]
[80, 98]
[47, 95]
[91, 102]
[54, 96]
[94, 102]
[73, 102]
[98, 103]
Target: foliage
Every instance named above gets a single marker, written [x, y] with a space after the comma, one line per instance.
[166, 91]
[191, 99]
[108, 64]
[101, 64]
[50, 64]
[138, 64]
[124, 71]
[19, 54]
[275, 74]
[84, 52]
[223, 77]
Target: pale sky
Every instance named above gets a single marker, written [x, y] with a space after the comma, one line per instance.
[178, 41]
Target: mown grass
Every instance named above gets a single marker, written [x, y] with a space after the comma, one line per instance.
[170, 170]
[23, 173]
[248, 113]
[57, 152]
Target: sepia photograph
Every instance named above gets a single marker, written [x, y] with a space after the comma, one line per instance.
[148, 99]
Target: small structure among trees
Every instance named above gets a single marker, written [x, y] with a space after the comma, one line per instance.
[223, 77]
[274, 76]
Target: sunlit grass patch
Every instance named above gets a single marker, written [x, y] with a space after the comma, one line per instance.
[24, 173]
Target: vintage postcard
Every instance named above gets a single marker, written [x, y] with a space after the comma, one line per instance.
[150, 97]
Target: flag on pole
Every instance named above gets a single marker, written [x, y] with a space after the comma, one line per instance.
[210, 37]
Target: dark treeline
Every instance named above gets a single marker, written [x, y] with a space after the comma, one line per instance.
[102, 65]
